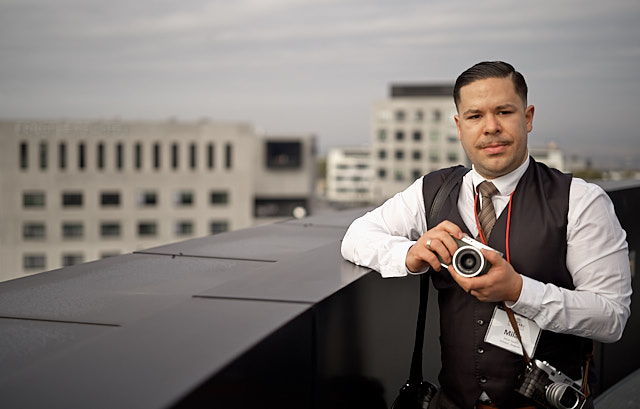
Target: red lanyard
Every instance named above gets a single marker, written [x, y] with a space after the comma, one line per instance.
[506, 239]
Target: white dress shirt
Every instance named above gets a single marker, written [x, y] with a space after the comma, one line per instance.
[597, 254]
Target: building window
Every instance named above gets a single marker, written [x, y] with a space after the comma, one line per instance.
[156, 156]
[34, 230]
[147, 229]
[400, 115]
[417, 136]
[71, 199]
[138, 156]
[434, 135]
[33, 199]
[81, 156]
[382, 173]
[110, 199]
[24, 155]
[416, 174]
[452, 156]
[399, 176]
[73, 230]
[70, 259]
[184, 228]
[382, 154]
[184, 198]
[437, 115]
[192, 156]
[43, 156]
[34, 261]
[284, 155]
[218, 226]
[210, 156]
[382, 135]
[399, 154]
[434, 156]
[417, 155]
[62, 155]
[109, 229]
[107, 254]
[452, 138]
[399, 135]
[419, 115]
[228, 156]
[174, 155]
[148, 198]
[100, 156]
[219, 198]
[119, 156]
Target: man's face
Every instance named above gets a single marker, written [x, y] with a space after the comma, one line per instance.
[493, 124]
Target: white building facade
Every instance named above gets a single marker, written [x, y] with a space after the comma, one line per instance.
[412, 133]
[349, 175]
[75, 191]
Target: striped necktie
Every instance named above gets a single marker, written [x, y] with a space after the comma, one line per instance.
[487, 216]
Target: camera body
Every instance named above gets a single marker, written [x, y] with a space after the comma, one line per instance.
[549, 387]
[468, 260]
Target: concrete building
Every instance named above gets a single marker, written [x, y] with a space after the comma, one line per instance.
[550, 155]
[75, 191]
[349, 175]
[412, 133]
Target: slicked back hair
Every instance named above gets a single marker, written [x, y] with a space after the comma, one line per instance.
[491, 69]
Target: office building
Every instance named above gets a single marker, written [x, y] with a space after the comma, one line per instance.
[412, 133]
[75, 191]
[349, 176]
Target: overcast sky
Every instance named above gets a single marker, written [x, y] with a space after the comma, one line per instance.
[316, 66]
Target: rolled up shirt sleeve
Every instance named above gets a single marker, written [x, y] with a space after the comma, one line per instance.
[598, 260]
[381, 238]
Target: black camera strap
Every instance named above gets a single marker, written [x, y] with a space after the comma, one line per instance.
[455, 177]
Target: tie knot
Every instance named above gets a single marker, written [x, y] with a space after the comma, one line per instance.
[487, 189]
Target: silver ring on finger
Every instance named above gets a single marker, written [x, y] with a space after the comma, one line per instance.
[429, 244]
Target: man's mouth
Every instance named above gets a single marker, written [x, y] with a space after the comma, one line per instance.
[494, 148]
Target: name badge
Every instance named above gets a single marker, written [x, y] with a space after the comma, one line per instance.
[501, 334]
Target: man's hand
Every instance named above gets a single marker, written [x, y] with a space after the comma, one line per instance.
[435, 241]
[501, 283]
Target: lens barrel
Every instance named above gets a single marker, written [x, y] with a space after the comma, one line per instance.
[468, 261]
[563, 396]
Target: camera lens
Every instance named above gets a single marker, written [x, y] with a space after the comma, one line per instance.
[468, 261]
[562, 396]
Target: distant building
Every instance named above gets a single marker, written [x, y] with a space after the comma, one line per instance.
[412, 133]
[75, 191]
[550, 155]
[349, 175]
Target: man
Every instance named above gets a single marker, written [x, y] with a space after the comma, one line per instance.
[565, 270]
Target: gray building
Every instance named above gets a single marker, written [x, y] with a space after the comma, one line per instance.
[75, 191]
[412, 133]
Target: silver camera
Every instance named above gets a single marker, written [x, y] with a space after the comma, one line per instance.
[468, 260]
[549, 387]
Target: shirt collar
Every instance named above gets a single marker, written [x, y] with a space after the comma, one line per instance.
[505, 184]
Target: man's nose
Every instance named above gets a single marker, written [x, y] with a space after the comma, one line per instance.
[492, 125]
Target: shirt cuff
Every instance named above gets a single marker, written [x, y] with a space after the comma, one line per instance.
[397, 267]
[530, 300]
